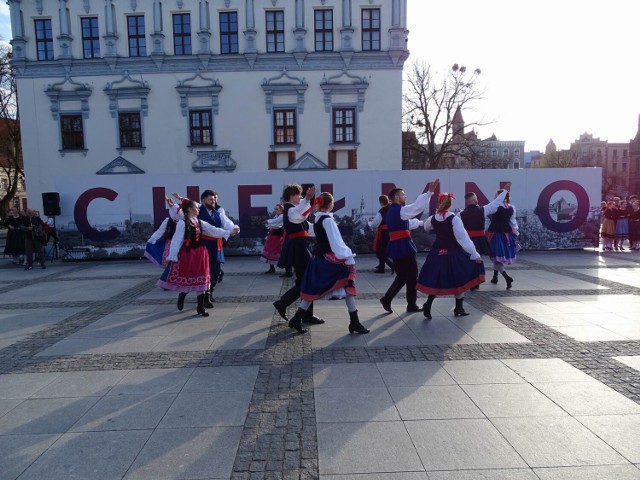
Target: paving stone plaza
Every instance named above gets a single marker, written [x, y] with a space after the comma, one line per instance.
[102, 378]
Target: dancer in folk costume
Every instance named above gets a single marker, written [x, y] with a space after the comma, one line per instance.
[401, 248]
[503, 235]
[473, 218]
[273, 243]
[331, 269]
[157, 247]
[453, 265]
[295, 251]
[622, 225]
[211, 213]
[608, 229]
[634, 226]
[188, 260]
[381, 238]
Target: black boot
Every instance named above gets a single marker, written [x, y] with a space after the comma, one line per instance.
[281, 309]
[271, 269]
[181, 297]
[393, 290]
[412, 306]
[508, 279]
[426, 308]
[459, 310]
[379, 269]
[310, 318]
[495, 277]
[296, 321]
[354, 323]
[207, 300]
[200, 309]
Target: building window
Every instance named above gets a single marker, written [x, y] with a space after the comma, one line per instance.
[614, 167]
[182, 34]
[228, 32]
[494, 152]
[275, 31]
[323, 25]
[72, 132]
[624, 154]
[516, 153]
[130, 127]
[44, 39]
[3, 184]
[137, 40]
[505, 152]
[624, 167]
[90, 37]
[200, 127]
[370, 29]
[284, 127]
[344, 125]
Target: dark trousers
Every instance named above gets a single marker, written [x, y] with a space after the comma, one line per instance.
[214, 267]
[406, 274]
[31, 246]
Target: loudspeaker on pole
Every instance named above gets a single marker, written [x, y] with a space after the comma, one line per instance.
[51, 204]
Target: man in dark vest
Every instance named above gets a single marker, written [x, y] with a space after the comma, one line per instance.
[401, 249]
[218, 218]
[295, 251]
[473, 218]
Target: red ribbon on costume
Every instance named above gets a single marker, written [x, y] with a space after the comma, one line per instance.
[318, 202]
[398, 234]
[476, 233]
[441, 197]
[302, 233]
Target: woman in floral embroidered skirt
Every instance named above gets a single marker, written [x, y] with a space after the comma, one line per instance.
[188, 260]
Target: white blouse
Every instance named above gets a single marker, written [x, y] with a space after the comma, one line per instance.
[178, 237]
[459, 232]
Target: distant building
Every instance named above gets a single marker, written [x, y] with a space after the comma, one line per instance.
[618, 169]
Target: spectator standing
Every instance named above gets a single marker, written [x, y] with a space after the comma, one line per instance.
[15, 245]
[34, 237]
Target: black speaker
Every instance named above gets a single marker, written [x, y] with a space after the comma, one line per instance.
[51, 204]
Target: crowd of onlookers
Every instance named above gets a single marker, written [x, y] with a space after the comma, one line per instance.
[27, 234]
[620, 222]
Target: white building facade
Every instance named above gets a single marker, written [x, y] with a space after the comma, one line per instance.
[193, 86]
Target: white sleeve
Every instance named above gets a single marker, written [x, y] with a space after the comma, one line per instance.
[463, 238]
[226, 223]
[492, 207]
[296, 212]
[157, 235]
[338, 246]
[416, 208]
[427, 224]
[513, 222]
[377, 220]
[276, 222]
[211, 231]
[414, 223]
[175, 213]
[176, 242]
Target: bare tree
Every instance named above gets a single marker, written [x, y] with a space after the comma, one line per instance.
[430, 105]
[10, 143]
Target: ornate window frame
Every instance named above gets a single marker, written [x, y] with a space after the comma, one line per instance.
[76, 92]
[189, 89]
[126, 88]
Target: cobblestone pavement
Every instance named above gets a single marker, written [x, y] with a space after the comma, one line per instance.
[327, 404]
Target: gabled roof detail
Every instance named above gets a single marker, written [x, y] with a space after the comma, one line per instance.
[308, 162]
[118, 166]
